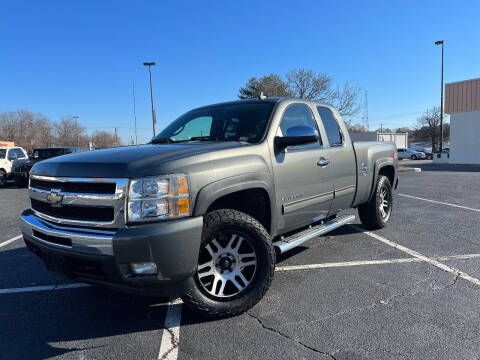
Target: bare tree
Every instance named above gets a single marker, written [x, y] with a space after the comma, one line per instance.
[355, 128]
[69, 132]
[103, 139]
[306, 84]
[346, 100]
[26, 129]
[430, 122]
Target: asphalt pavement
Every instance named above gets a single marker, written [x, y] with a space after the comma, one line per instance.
[409, 291]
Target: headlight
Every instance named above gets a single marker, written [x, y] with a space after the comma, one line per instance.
[164, 197]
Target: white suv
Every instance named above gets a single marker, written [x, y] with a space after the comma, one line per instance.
[10, 158]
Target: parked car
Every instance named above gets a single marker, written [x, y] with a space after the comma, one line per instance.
[11, 157]
[410, 154]
[428, 153]
[22, 172]
[204, 208]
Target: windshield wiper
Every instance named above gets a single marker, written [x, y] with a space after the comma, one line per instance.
[207, 138]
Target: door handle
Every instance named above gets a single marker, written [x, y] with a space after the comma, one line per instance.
[323, 162]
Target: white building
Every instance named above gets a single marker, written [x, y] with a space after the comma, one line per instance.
[462, 102]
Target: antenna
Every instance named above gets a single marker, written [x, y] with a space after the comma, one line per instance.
[365, 112]
[134, 114]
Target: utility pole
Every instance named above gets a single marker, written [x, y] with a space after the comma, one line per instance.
[365, 113]
[154, 118]
[440, 42]
[135, 115]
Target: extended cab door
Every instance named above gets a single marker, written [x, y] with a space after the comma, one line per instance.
[342, 160]
[303, 183]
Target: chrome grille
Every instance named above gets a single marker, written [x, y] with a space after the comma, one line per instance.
[76, 201]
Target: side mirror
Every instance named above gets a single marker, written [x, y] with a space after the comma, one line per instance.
[297, 135]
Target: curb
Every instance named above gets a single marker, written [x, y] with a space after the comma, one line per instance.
[406, 168]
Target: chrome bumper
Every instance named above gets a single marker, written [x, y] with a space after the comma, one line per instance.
[89, 241]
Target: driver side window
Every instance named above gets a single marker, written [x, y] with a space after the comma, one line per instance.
[299, 115]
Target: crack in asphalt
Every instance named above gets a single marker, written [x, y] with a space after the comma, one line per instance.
[278, 332]
[173, 343]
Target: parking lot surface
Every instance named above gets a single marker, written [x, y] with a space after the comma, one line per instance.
[409, 291]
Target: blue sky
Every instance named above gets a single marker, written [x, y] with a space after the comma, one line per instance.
[82, 57]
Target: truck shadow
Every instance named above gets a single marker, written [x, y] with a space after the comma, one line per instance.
[45, 324]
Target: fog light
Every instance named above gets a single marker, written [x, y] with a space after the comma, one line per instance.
[144, 268]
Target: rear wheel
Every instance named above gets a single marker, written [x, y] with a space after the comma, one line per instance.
[235, 266]
[376, 213]
[3, 178]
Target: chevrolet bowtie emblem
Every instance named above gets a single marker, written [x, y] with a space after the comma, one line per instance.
[54, 197]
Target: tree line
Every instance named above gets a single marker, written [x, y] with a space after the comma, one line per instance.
[34, 130]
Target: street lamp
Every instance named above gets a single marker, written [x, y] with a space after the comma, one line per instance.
[76, 123]
[154, 118]
[440, 42]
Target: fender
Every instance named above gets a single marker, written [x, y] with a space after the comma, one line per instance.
[213, 191]
[380, 163]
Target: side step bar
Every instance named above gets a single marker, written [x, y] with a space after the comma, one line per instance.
[300, 237]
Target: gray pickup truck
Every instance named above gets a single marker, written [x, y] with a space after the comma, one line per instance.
[203, 210]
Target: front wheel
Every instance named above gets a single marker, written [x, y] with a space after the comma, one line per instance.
[235, 266]
[414, 157]
[376, 213]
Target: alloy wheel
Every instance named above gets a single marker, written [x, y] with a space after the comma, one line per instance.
[227, 265]
[385, 202]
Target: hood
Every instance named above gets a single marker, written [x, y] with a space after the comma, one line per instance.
[127, 161]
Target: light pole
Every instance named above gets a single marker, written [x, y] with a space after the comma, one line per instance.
[76, 123]
[440, 42]
[154, 118]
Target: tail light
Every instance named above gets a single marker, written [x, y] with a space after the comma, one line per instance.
[394, 155]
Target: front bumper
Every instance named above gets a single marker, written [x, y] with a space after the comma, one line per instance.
[103, 257]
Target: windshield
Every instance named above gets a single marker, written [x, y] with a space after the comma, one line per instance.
[47, 153]
[3, 152]
[233, 122]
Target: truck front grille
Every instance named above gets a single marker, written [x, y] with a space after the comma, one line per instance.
[74, 212]
[75, 187]
[90, 202]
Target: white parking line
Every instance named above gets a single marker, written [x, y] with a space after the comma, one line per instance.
[439, 202]
[413, 253]
[371, 262]
[10, 240]
[171, 333]
[42, 288]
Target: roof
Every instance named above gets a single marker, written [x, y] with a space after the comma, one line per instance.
[259, 101]
[462, 96]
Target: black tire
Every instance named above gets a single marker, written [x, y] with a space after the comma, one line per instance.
[370, 214]
[413, 157]
[3, 178]
[21, 182]
[233, 222]
[430, 157]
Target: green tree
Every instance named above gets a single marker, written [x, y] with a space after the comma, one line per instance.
[270, 85]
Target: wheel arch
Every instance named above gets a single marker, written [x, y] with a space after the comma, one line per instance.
[250, 194]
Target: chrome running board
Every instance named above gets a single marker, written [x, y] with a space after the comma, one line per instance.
[296, 239]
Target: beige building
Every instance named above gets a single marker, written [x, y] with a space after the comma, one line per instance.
[462, 102]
